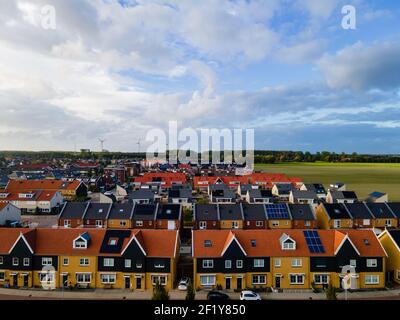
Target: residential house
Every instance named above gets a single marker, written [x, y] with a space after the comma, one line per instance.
[286, 259]
[303, 196]
[72, 214]
[244, 188]
[96, 215]
[169, 216]
[180, 196]
[121, 215]
[206, 216]
[164, 180]
[395, 208]
[335, 196]
[318, 188]
[303, 216]
[278, 216]
[9, 214]
[390, 240]
[254, 216]
[259, 196]
[338, 186]
[144, 216]
[282, 190]
[231, 216]
[204, 182]
[377, 196]
[362, 216]
[142, 196]
[222, 196]
[333, 216]
[384, 217]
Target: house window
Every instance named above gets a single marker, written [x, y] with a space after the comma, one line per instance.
[208, 263]
[99, 223]
[321, 278]
[288, 245]
[108, 278]
[235, 225]
[371, 279]
[207, 280]
[122, 223]
[160, 279]
[65, 261]
[259, 279]
[83, 277]
[353, 263]
[26, 261]
[372, 263]
[388, 223]
[296, 278]
[366, 222]
[108, 262]
[1, 260]
[128, 263]
[296, 263]
[277, 263]
[307, 223]
[47, 261]
[258, 263]
[207, 243]
[67, 223]
[84, 261]
[113, 242]
[2, 276]
[275, 223]
[15, 261]
[337, 224]
[239, 264]
[159, 265]
[47, 277]
[203, 224]
[259, 223]
[139, 223]
[228, 264]
[80, 244]
[139, 265]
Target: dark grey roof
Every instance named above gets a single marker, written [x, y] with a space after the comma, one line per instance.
[260, 193]
[304, 194]
[121, 210]
[218, 186]
[395, 207]
[180, 193]
[144, 211]
[380, 210]
[254, 212]
[98, 211]
[245, 187]
[336, 211]
[73, 210]
[318, 188]
[169, 211]
[225, 193]
[343, 194]
[359, 210]
[230, 211]
[141, 194]
[284, 188]
[206, 212]
[301, 212]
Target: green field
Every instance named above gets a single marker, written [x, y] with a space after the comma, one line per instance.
[363, 178]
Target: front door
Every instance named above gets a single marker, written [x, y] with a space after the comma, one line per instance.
[277, 282]
[26, 280]
[64, 280]
[15, 280]
[127, 282]
[227, 283]
[139, 283]
[239, 283]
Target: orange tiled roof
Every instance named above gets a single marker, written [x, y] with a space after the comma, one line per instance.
[47, 184]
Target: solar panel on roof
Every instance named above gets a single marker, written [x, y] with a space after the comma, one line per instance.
[313, 241]
[277, 211]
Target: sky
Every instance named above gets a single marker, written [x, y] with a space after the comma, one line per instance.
[116, 69]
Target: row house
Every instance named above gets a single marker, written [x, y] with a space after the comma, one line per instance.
[303, 196]
[286, 259]
[243, 190]
[180, 195]
[116, 215]
[335, 196]
[254, 216]
[31, 201]
[232, 182]
[358, 215]
[282, 190]
[317, 188]
[69, 190]
[164, 180]
[259, 196]
[88, 258]
[390, 240]
[267, 180]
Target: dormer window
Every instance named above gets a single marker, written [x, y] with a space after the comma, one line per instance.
[4, 195]
[207, 243]
[287, 243]
[82, 241]
[253, 243]
[113, 241]
[168, 211]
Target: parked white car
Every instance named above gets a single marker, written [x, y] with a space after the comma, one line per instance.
[249, 295]
[183, 284]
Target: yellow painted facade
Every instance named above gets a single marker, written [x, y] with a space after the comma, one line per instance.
[325, 223]
[228, 224]
[393, 259]
[279, 224]
[382, 223]
[74, 267]
[119, 224]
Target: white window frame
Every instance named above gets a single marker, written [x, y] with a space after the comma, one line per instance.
[67, 223]
[307, 223]
[203, 225]
[277, 263]
[297, 275]
[258, 277]
[275, 223]
[353, 262]
[108, 278]
[2, 276]
[369, 277]
[26, 262]
[366, 222]
[258, 263]
[372, 263]
[108, 262]
[210, 280]
[388, 223]
[128, 263]
[228, 264]
[82, 243]
[84, 275]
[320, 275]
[82, 262]
[162, 279]
[1, 260]
[122, 223]
[235, 225]
[15, 261]
[239, 264]
[65, 261]
[47, 261]
[208, 263]
[289, 245]
[259, 223]
[139, 223]
[337, 223]
[297, 262]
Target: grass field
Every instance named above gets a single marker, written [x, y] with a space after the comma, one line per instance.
[363, 178]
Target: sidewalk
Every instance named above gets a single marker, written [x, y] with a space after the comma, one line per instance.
[116, 294]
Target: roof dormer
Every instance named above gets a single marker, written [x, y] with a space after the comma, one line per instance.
[287, 243]
[81, 242]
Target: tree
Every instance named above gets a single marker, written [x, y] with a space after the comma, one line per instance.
[159, 292]
[331, 292]
[190, 294]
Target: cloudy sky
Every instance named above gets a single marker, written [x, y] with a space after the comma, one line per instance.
[116, 69]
